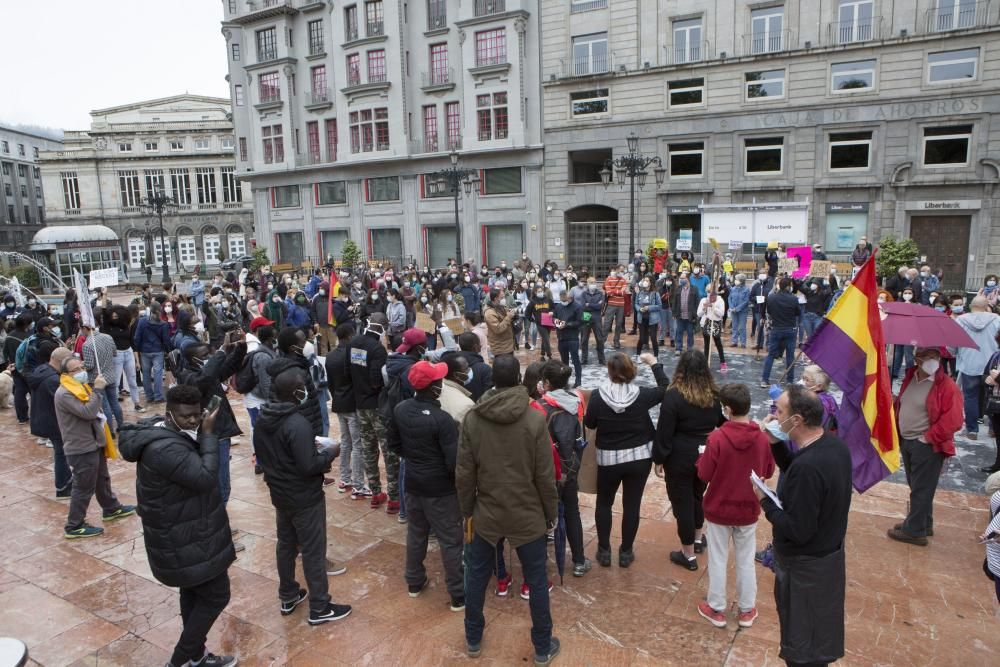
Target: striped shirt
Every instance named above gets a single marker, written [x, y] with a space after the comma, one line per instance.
[993, 548]
[610, 457]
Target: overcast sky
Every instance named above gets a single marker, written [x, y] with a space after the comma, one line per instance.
[63, 58]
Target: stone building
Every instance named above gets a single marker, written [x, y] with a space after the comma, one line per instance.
[23, 210]
[182, 147]
[345, 111]
[794, 121]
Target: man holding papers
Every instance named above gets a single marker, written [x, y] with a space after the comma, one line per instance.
[808, 529]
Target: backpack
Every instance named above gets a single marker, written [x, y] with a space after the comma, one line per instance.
[246, 379]
[24, 357]
[390, 396]
[572, 466]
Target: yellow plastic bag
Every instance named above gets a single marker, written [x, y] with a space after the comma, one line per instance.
[110, 447]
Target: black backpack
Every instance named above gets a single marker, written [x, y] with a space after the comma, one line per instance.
[246, 379]
[390, 396]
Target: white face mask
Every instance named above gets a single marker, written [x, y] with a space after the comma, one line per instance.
[80, 376]
[697, 271]
[168, 309]
[907, 297]
[930, 366]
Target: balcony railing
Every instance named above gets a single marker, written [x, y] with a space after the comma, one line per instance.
[318, 97]
[591, 65]
[377, 77]
[435, 20]
[268, 96]
[376, 28]
[440, 77]
[689, 53]
[350, 33]
[316, 48]
[858, 30]
[265, 55]
[486, 60]
[766, 42]
[208, 206]
[586, 5]
[952, 15]
[233, 204]
[490, 7]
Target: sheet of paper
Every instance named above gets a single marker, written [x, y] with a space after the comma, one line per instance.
[761, 299]
[759, 483]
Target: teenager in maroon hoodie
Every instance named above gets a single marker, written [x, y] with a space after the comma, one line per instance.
[731, 508]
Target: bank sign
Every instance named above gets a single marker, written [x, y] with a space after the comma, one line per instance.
[759, 225]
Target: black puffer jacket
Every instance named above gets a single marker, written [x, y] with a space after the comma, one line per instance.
[367, 356]
[338, 377]
[43, 383]
[184, 523]
[286, 450]
[427, 437]
[311, 408]
[218, 369]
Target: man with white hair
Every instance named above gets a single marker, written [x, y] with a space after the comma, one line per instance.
[982, 326]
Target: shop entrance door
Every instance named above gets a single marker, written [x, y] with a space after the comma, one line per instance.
[592, 239]
[945, 242]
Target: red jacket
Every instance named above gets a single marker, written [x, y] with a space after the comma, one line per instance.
[945, 410]
[731, 452]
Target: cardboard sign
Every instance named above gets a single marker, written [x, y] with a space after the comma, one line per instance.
[425, 322]
[804, 255]
[820, 269]
[456, 324]
[103, 278]
[789, 266]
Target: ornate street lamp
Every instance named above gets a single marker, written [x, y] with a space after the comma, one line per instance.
[156, 204]
[633, 167]
[453, 180]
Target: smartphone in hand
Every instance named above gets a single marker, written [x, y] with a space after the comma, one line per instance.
[213, 404]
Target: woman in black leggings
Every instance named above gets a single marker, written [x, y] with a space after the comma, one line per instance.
[689, 412]
[619, 412]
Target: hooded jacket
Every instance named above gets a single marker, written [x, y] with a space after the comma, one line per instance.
[427, 437]
[366, 356]
[284, 442]
[945, 410]
[311, 408]
[472, 296]
[562, 411]
[184, 523]
[504, 474]
[338, 377]
[319, 308]
[43, 382]
[982, 328]
[209, 378]
[731, 452]
[398, 365]
[620, 412]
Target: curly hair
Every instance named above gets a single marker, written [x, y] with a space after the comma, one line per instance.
[694, 381]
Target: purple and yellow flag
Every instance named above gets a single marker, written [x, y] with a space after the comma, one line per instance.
[850, 347]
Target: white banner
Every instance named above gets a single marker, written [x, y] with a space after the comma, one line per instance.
[103, 278]
[83, 300]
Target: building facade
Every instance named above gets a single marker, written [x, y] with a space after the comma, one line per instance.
[343, 111]
[23, 210]
[181, 147]
[799, 121]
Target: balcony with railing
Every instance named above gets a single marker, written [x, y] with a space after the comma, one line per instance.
[857, 30]
[350, 33]
[207, 206]
[437, 19]
[378, 77]
[586, 5]
[318, 99]
[259, 10]
[267, 54]
[309, 158]
[759, 43]
[375, 29]
[269, 99]
[595, 64]
[438, 79]
[233, 204]
[317, 47]
[957, 15]
[489, 7]
[687, 53]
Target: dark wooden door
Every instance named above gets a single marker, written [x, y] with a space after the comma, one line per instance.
[944, 240]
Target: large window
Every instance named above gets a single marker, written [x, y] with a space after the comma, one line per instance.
[386, 243]
[430, 128]
[206, 187]
[333, 241]
[331, 192]
[454, 115]
[855, 21]
[315, 37]
[187, 249]
[439, 65]
[955, 14]
[290, 248]
[491, 116]
[273, 143]
[766, 29]
[502, 181]
[687, 159]
[231, 192]
[71, 190]
[947, 146]
[850, 151]
[588, 102]
[439, 245]
[376, 66]
[503, 243]
[285, 196]
[491, 47]
[369, 130]
[128, 184]
[237, 242]
[686, 92]
[318, 79]
[382, 189]
[331, 139]
[437, 14]
[180, 187]
[687, 41]
[354, 69]
[269, 85]
[350, 23]
[154, 182]
[312, 139]
[374, 18]
[266, 45]
[769, 84]
[952, 66]
[852, 77]
[429, 187]
[590, 53]
[586, 166]
[764, 155]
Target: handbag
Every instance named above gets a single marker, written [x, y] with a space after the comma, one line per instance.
[546, 320]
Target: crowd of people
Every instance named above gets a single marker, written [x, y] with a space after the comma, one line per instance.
[438, 423]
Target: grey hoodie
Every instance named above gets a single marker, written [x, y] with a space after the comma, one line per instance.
[982, 328]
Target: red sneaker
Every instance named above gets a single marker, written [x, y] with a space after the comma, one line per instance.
[747, 618]
[526, 592]
[378, 499]
[392, 507]
[716, 618]
[503, 586]
[327, 481]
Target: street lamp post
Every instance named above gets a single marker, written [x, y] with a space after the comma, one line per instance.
[632, 166]
[449, 180]
[157, 203]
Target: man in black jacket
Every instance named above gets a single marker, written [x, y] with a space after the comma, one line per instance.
[427, 437]
[758, 304]
[43, 383]
[367, 357]
[292, 345]
[184, 522]
[783, 309]
[482, 372]
[568, 316]
[22, 323]
[593, 305]
[397, 368]
[342, 403]
[293, 469]
[684, 308]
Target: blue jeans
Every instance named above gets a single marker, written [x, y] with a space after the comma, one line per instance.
[780, 339]
[972, 386]
[111, 406]
[740, 327]
[480, 558]
[682, 327]
[898, 352]
[224, 485]
[810, 321]
[152, 375]
[324, 410]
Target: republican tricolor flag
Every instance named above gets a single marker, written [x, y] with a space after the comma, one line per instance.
[850, 347]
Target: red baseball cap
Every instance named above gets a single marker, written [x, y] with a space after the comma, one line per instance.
[411, 337]
[423, 373]
[259, 322]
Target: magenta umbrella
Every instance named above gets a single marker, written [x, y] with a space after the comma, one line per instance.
[921, 326]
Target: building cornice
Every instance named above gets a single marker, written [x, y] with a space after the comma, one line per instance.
[270, 64]
[502, 17]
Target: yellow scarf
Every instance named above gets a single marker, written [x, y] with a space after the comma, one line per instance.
[82, 393]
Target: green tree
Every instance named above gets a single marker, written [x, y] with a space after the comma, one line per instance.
[260, 258]
[894, 253]
[222, 254]
[350, 254]
[27, 275]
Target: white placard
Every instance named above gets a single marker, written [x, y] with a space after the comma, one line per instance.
[735, 244]
[683, 244]
[103, 278]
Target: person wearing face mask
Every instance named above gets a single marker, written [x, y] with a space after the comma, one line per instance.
[426, 437]
[85, 436]
[990, 291]
[152, 340]
[196, 291]
[615, 289]
[739, 308]
[116, 322]
[592, 302]
[455, 398]
[809, 529]
[471, 293]
[396, 312]
[35, 308]
[539, 311]
[929, 283]
[99, 354]
[647, 317]
[711, 313]
[275, 309]
[522, 297]
[298, 315]
[782, 312]
[928, 412]
[185, 527]
[817, 303]
[319, 313]
[982, 325]
[20, 333]
[373, 303]
[665, 288]
[44, 382]
[902, 352]
[862, 251]
[499, 321]
[556, 284]
[685, 311]
[699, 280]
[9, 310]
[342, 404]
[771, 259]
[568, 318]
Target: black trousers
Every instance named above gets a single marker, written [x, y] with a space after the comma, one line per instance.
[685, 491]
[923, 469]
[632, 478]
[718, 344]
[200, 606]
[574, 525]
[303, 529]
[647, 335]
